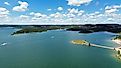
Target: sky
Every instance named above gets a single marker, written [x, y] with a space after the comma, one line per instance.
[60, 11]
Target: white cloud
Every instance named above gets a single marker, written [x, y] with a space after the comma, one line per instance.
[49, 9]
[3, 12]
[32, 13]
[6, 3]
[56, 15]
[73, 10]
[78, 2]
[24, 17]
[23, 6]
[38, 17]
[110, 19]
[112, 9]
[4, 15]
[71, 16]
[60, 8]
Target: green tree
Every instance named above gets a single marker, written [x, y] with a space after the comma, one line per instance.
[118, 52]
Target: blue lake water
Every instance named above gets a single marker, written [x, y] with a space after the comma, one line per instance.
[53, 49]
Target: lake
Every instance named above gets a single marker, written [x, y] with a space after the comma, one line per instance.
[52, 49]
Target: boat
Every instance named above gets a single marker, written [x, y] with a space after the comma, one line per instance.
[3, 44]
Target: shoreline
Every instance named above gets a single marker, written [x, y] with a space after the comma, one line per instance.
[118, 49]
[117, 41]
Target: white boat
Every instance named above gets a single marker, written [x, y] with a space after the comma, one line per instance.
[3, 44]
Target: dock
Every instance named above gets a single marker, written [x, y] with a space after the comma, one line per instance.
[100, 46]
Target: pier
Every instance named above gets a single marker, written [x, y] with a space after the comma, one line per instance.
[84, 42]
[100, 46]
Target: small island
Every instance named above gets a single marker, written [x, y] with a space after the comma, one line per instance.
[82, 42]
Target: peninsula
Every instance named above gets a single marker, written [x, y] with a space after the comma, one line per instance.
[31, 29]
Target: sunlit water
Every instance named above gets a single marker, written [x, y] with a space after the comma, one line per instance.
[53, 49]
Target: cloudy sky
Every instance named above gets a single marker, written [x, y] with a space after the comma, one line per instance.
[60, 11]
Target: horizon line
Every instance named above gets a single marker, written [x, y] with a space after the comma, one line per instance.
[53, 24]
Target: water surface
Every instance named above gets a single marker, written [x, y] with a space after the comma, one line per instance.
[53, 49]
